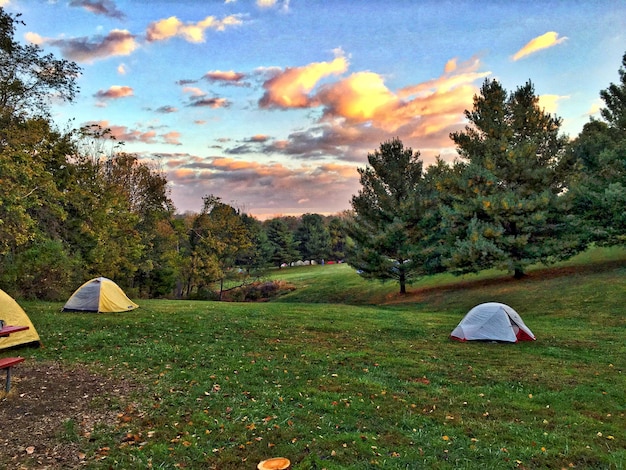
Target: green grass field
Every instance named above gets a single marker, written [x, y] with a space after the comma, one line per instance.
[345, 374]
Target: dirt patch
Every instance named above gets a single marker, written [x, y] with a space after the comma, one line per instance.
[51, 408]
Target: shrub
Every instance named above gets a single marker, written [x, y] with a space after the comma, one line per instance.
[257, 291]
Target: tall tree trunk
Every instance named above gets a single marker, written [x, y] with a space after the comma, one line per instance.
[402, 281]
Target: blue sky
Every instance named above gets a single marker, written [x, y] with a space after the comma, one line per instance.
[272, 105]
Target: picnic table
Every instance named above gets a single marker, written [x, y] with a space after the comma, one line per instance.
[8, 362]
[7, 329]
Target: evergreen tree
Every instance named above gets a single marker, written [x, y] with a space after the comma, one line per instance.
[614, 97]
[600, 149]
[283, 246]
[509, 206]
[388, 227]
[313, 238]
[338, 239]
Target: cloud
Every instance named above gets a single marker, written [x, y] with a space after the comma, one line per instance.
[124, 134]
[167, 109]
[118, 42]
[360, 97]
[115, 92]
[194, 91]
[199, 99]
[544, 41]
[550, 103]
[263, 189]
[360, 111]
[172, 138]
[290, 88]
[102, 7]
[185, 82]
[595, 108]
[121, 69]
[230, 77]
[192, 32]
[267, 4]
[34, 38]
[209, 102]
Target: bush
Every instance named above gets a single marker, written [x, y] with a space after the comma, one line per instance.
[258, 291]
[204, 293]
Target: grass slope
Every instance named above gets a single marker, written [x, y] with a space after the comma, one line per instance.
[346, 374]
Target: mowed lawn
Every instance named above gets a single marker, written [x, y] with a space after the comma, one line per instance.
[345, 374]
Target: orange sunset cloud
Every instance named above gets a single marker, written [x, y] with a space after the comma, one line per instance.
[290, 88]
[364, 97]
[359, 97]
[544, 41]
[221, 76]
[271, 187]
[360, 110]
[172, 138]
[125, 134]
[550, 103]
[193, 32]
[115, 92]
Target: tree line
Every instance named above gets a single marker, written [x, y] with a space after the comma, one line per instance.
[74, 205]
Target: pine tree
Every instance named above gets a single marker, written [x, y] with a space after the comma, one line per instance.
[600, 149]
[313, 238]
[508, 207]
[388, 228]
[284, 248]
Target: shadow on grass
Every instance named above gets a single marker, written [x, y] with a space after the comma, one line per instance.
[538, 275]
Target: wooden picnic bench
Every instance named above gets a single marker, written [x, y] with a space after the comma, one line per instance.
[8, 362]
[7, 330]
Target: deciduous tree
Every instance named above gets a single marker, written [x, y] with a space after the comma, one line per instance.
[28, 78]
[219, 236]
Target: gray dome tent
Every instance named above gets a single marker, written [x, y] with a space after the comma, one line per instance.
[492, 321]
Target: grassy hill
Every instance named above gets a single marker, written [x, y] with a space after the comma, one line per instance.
[343, 373]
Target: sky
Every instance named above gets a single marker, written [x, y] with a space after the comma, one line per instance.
[273, 105]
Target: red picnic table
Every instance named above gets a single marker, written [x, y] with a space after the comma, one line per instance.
[7, 329]
[8, 362]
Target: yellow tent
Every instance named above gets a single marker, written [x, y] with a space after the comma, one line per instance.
[13, 315]
[99, 295]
